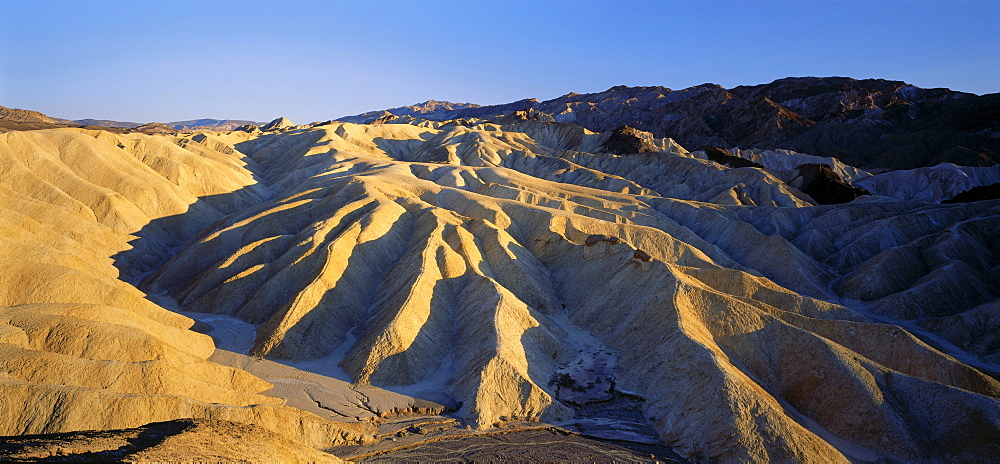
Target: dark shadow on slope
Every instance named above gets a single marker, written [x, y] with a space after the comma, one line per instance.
[330, 320]
[437, 334]
[162, 239]
[88, 446]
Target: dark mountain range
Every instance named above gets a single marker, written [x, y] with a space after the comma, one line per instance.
[871, 123]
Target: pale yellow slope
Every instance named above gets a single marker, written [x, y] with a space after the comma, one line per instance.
[83, 349]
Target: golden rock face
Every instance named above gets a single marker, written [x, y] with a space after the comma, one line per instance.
[748, 323]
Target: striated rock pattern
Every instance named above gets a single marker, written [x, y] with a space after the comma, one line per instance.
[518, 270]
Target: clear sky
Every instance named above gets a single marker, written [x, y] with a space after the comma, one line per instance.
[309, 60]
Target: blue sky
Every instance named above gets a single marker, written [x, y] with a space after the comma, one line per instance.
[308, 60]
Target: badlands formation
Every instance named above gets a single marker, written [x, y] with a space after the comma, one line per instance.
[315, 281]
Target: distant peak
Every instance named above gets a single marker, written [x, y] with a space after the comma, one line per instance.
[432, 105]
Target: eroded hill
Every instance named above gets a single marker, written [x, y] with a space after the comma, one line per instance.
[494, 273]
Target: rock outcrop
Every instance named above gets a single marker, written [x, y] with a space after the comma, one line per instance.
[627, 140]
[821, 183]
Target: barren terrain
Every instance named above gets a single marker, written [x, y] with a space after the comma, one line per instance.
[472, 289]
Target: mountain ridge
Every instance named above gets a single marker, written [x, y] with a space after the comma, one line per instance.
[29, 116]
[866, 123]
